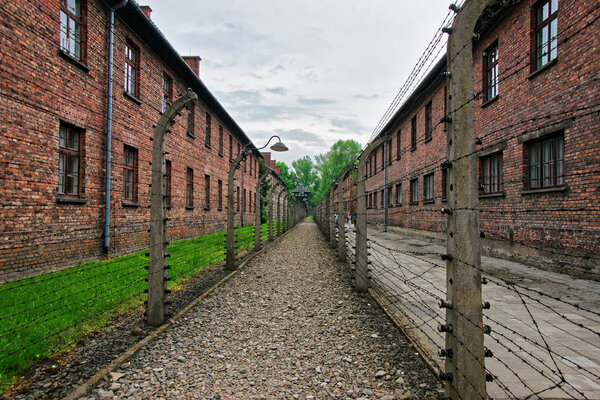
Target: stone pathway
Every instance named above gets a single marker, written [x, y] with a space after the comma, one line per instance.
[287, 326]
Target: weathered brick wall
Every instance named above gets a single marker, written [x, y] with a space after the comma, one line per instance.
[38, 89]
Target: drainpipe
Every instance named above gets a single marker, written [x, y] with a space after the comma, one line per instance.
[109, 121]
[385, 190]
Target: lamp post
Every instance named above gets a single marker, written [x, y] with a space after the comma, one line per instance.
[230, 249]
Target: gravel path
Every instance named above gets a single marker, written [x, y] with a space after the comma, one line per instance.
[287, 326]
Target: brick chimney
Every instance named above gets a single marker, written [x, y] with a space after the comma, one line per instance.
[267, 156]
[194, 63]
[147, 10]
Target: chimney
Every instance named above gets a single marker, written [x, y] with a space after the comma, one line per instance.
[267, 156]
[194, 63]
[147, 10]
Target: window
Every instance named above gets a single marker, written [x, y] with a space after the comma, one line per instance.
[398, 193]
[207, 192]
[167, 94]
[375, 162]
[239, 149]
[238, 200]
[374, 199]
[382, 197]
[221, 140]
[130, 163]
[70, 167]
[244, 201]
[383, 156]
[250, 201]
[168, 182]
[428, 126]
[250, 161]
[189, 189]
[546, 162]
[413, 133]
[72, 31]
[390, 196]
[208, 128]
[190, 122]
[490, 74]
[132, 68]
[414, 191]
[398, 142]
[220, 194]
[428, 188]
[490, 174]
[444, 184]
[230, 148]
[546, 27]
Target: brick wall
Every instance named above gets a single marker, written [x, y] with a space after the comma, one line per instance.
[40, 89]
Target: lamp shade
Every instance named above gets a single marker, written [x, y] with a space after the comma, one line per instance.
[279, 146]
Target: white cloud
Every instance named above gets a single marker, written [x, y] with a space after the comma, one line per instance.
[316, 71]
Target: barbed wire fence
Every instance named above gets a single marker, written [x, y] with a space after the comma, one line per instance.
[59, 305]
[537, 344]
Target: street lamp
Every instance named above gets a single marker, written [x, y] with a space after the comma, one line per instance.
[230, 250]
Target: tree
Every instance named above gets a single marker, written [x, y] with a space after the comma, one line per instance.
[307, 173]
[331, 164]
[286, 176]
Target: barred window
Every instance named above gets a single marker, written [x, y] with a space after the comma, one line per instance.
[490, 174]
[189, 188]
[428, 194]
[490, 77]
[398, 193]
[546, 162]
[428, 124]
[414, 191]
[167, 91]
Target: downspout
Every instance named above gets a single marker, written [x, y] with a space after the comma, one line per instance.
[385, 189]
[109, 105]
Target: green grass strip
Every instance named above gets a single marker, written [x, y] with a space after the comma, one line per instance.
[43, 315]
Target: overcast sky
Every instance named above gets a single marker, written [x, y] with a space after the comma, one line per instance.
[312, 72]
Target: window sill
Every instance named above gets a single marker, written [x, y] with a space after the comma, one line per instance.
[545, 190]
[208, 146]
[413, 203]
[75, 61]
[492, 195]
[189, 207]
[542, 69]
[413, 148]
[191, 136]
[206, 208]
[444, 199]
[132, 97]
[70, 200]
[130, 204]
[398, 205]
[220, 209]
[427, 140]
[220, 154]
[490, 101]
[428, 201]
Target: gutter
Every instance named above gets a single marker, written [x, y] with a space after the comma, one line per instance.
[109, 106]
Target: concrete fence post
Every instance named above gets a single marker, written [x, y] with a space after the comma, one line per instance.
[279, 213]
[332, 229]
[341, 221]
[271, 196]
[465, 370]
[230, 250]
[157, 270]
[257, 228]
[361, 280]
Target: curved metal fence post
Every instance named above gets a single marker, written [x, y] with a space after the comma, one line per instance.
[230, 250]
[341, 221]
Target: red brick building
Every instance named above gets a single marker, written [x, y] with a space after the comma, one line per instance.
[54, 80]
[536, 79]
